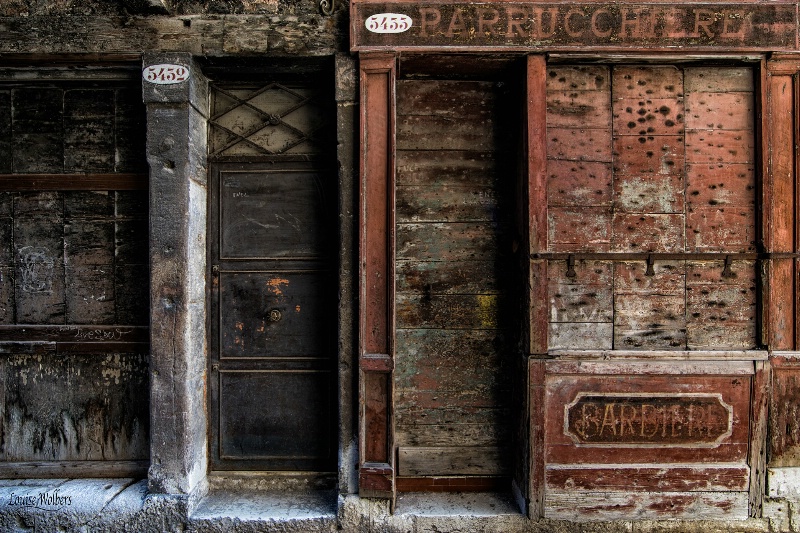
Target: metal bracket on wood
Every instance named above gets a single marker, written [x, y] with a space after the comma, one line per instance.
[650, 261]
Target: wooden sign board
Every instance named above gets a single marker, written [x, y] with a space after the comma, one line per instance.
[655, 439]
[523, 26]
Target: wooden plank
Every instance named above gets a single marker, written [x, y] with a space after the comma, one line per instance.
[725, 184]
[438, 435]
[721, 229]
[718, 79]
[75, 333]
[74, 182]
[579, 144]
[467, 241]
[453, 484]
[578, 183]
[720, 110]
[448, 277]
[648, 232]
[451, 311]
[475, 100]
[376, 398]
[451, 349]
[784, 416]
[649, 193]
[653, 364]
[587, 297]
[653, 478]
[578, 78]
[452, 167]
[639, 116]
[89, 294]
[581, 335]
[586, 229]
[648, 154]
[73, 469]
[578, 109]
[451, 460]
[537, 341]
[759, 415]
[536, 446]
[443, 133]
[590, 505]
[442, 202]
[720, 146]
[779, 213]
[534, 191]
[647, 82]
[39, 276]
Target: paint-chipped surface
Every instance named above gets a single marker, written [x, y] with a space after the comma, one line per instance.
[670, 168]
[92, 410]
[453, 267]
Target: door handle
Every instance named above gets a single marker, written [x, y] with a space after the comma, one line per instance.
[274, 315]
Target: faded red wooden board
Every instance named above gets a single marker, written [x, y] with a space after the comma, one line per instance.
[555, 26]
[669, 430]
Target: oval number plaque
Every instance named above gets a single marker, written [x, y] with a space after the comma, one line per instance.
[388, 23]
[165, 74]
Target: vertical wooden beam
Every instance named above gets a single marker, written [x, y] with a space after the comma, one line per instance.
[779, 201]
[537, 274]
[759, 418]
[376, 274]
[537, 201]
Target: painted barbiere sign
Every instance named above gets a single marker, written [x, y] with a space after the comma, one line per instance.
[554, 26]
[688, 420]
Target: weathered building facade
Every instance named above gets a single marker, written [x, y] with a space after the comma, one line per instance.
[399, 266]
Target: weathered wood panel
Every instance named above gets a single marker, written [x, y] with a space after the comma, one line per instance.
[640, 419]
[784, 419]
[62, 129]
[677, 184]
[93, 408]
[656, 478]
[451, 460]
[578, 183]
[721, 309]
[78, 258]
[453, 306]
[646, 232]
[586, 297]
[565, 505]
[585, 229]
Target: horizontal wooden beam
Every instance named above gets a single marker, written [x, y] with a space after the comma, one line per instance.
[74, 182]
[74, 469]
[84, 334]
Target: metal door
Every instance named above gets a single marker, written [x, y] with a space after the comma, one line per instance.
[273, 318]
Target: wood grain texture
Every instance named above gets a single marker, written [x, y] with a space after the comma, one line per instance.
[453, 256]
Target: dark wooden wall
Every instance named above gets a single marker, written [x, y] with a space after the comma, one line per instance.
[454, 279]
[74, 272]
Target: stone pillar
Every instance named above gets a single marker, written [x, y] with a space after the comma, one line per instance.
[176, 152]
[346, 72]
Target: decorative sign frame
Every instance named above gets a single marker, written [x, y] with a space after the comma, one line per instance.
[645, 420]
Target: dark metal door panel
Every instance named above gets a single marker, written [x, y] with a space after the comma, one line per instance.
[272, 314]
[271, 214]
[273, 345]
[276, 417]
